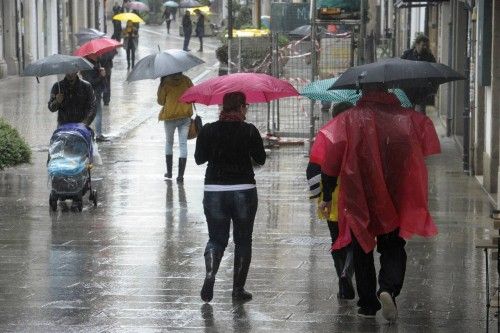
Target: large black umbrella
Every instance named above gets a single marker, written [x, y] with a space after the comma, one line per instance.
[396, 72]
[57, 64]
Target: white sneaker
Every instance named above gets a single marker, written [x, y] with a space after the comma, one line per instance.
[389, 309]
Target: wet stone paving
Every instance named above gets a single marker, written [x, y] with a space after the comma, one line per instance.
[135, 262]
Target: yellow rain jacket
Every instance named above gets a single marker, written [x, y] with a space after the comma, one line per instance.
[169, 92]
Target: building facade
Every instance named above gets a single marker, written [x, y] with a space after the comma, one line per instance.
[33, 29]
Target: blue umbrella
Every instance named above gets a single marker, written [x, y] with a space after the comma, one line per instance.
[171, 3]
[318, 90]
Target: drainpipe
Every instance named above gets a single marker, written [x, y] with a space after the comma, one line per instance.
[449, 115]
[466, 114]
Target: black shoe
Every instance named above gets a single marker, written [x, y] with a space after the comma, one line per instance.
[241, 295]
[101, 138]
[168, 162]
[241, 266]
[182, 167]
[389, 308]
[212, 262]
[367, 312]
[106, 103]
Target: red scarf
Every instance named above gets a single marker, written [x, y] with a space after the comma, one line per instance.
[231, 116]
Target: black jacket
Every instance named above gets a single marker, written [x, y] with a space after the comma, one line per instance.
[420, 95]
[412, 54]
[187, 24]
[200, 26]
[229, 148]
[96, 80]
[78, 105]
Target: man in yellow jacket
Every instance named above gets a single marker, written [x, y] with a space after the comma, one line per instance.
[175, 114]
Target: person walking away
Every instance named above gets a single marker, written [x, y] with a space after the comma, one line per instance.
[200, 28]
[187, 27]
[130, 41]
[167, 14]
[342, 258]
[106, 61]
[229, 145]
[420, 96]
[117, 25]
[73, 99]
[175, 115]
[96, 77]
[378, 150]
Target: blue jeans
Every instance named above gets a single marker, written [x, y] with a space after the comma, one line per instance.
[222, 207]
[182, 126]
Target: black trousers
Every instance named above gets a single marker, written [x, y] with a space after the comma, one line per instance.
[392, 269]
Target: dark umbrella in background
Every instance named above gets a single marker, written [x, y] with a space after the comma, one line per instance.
[88, 34]
[397, 73]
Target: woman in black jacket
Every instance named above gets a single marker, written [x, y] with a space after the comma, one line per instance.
[229, 145]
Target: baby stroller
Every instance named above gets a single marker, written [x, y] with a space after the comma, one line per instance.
[69, 164]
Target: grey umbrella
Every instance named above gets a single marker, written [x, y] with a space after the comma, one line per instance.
[87, 34]
[189, 3]
[57, 64]
[163, 63]
[396, 72]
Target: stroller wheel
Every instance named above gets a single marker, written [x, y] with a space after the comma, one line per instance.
[53, 202]
[93, 197]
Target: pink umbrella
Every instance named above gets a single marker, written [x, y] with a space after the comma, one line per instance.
[97, 47]
[258, 88]
[136, 5]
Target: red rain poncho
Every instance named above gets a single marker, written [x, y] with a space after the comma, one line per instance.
[377, 148]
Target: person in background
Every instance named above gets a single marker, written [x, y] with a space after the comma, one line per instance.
[130, 42]
[187, 27]
[117, 25]
[342, 258]
[97, 78]
[230, 146]
[420, 51]
[200, 28]
[175, 115]
[106, 61]
[73, 99]
[167, 14]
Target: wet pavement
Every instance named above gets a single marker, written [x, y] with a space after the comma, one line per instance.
[135, 262]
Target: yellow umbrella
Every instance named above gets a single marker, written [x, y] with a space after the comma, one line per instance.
[203, 10]
[128, 17]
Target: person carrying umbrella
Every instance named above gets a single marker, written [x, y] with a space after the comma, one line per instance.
[200, 28]
[97, 79]
[117, 25]
[378, 150]
[187, 27]
[73, 99]
[106, 61]
[167, 15]
[175, 115]
[130, 41]
[420, 51]
[229, 145]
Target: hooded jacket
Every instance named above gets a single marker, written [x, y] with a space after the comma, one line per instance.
[170, 90]
[378, 149]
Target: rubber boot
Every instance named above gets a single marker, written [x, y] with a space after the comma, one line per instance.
[212, 262]
[168, 161]
[346, 290]
[182, 167]
[241, 266]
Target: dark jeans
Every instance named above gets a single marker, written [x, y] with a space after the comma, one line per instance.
[392, 269]
[222, 207]
[343, 257]
[106, 94]
[168, 26]
[200, 37]
[130, 54]
[187, 37]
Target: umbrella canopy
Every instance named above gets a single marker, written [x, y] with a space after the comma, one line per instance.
[318, 90]
[57, 64]
[258, 88]
[396, 72]
[87, 34]
[136, 5]
[97, 47]
[163, 63]
[189, 3]
[171, 3]
[124, 17]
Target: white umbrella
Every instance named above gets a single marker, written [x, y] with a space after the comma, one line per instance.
[163, 63]
[171, 3]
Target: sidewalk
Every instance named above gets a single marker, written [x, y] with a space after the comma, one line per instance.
[135, 263]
